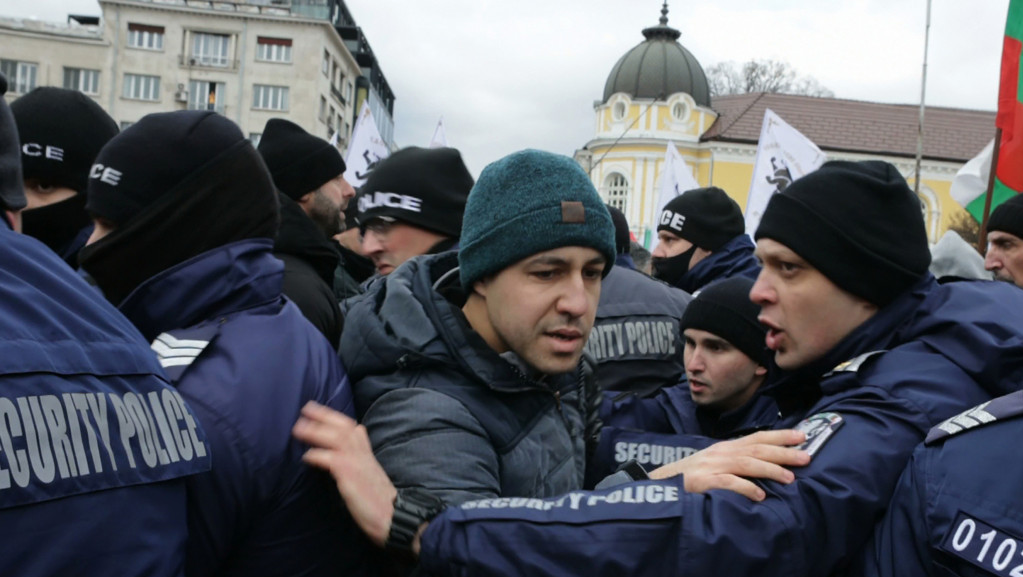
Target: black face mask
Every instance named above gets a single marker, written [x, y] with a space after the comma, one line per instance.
[671, 269]
[57, 224]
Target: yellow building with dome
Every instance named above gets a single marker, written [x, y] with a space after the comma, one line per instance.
[658, 93]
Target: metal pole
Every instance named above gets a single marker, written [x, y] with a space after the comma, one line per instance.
[923, 92]
[982, 238]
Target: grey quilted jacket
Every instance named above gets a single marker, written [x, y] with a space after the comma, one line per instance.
[444, 411]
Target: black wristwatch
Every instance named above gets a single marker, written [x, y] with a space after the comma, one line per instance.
[412, 508]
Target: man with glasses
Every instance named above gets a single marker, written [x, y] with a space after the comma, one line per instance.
[412, 204]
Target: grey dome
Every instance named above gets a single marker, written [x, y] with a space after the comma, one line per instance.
[659, 67]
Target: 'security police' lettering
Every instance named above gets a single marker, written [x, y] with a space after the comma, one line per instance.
[46, 151]
[633, 340]
[46, 437]
[650, 454]
[630, 494]
[390, 200]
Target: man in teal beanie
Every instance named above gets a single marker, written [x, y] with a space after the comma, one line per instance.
[467, 367]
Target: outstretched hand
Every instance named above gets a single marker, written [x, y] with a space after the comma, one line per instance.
[730, 464]
[341, 446]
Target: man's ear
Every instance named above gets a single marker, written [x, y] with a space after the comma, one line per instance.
[480, 287]
[760, 371]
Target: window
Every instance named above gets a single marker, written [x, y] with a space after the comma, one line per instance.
[618, 112]
[144, 36]
[273, 49]
[20, 75]
[348, 91]
[270, 97]
[679, 111]
[82, 79]
[254, 138]
[330, 119]
[206, 96]
[334, 75]
[323, 110]
[210, 49]
[340, 123]
[141, 87]
[617, 189]
[325, 67]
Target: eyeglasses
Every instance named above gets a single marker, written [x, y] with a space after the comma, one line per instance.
[378, 226]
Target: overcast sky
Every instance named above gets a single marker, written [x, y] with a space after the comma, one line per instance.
[507, 75]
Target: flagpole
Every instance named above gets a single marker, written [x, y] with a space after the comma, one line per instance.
[982, 238]
[923, 92]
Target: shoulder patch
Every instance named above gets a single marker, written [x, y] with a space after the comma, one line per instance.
[178, 351]
[818, 428]
[852, 365]
[995, 410]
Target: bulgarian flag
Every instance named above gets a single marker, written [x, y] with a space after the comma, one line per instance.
[1009, 164]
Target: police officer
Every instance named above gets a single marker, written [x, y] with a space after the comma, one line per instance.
[185, 215]
[701, 238]
[957, 509]
[411, 204]
[869, 355]
[95, 444]
[61, 131]
[636, 340]
[726, 364]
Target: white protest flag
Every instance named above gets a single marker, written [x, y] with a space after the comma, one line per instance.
[676, 178]
[440, 139]
[367, 148]
[783, 155]
[970, 183]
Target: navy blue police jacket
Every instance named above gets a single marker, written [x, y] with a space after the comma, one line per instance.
[734, 258]
[657, 430]
[945, 348]
[957, 509]
[247, 360]
[636, 340]
[95, 444]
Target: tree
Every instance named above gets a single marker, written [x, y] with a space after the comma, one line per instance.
[762, 76]
[965, 226]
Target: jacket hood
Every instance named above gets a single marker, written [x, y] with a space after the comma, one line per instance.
[734, 258]
[404, 321]
[299, 237]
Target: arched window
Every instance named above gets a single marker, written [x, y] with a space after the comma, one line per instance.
[616, 190]
[931, 210]
[679, 111]
[618, 112]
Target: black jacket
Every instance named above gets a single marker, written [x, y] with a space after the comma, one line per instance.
[309, 262]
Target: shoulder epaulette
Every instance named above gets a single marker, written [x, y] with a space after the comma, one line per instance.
[999, 409]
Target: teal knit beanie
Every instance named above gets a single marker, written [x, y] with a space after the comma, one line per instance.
[526, 203]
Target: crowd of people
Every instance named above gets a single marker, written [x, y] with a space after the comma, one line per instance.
[221, 359]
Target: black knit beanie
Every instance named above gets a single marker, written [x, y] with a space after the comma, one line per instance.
[426, 187]
[623, 240]
[856, 222]
[298, 161]
[61, 133]
[725, 309]
[706, 217]
[12, 185]
[1008, 217]
[152, 156]
[176, 185]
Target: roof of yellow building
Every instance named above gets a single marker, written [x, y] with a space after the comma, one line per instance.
[855, 126]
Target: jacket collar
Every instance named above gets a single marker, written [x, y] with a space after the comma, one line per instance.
[234, 277]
